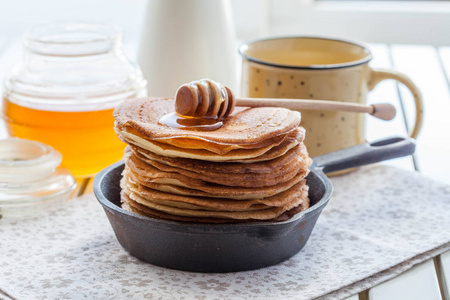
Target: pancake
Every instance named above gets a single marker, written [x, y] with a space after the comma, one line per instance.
[241, 155]
[173, 151]
[139, 209]
[142, 210]
[156, 172]
[149, 202]
[219, 191]
[290, 142]
[205, 203]
[197, 143]
[207, 168]
[244, 127]
[259, 214]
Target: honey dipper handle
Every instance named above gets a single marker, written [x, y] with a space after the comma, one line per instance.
[383, 111]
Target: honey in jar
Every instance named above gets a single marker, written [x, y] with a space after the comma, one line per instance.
[85, 138]
[65, 89]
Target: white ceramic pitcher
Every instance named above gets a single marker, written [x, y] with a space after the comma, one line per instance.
[184, 41]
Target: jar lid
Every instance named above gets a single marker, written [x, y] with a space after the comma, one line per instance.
[72, 39]
[30, 178]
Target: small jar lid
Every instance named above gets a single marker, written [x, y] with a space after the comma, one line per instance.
[30, 178]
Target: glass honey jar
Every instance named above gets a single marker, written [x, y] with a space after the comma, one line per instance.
[65, 89]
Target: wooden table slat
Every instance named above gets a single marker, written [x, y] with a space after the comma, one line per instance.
[444, 55]
[418, 283]
[82, 186]
[354, 297]
[386, 92]
[444, 260]
[422, 64]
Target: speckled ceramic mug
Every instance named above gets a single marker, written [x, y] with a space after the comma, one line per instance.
[319, 68]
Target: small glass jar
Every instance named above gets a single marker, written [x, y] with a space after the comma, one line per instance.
[30, 178]
[65, 89]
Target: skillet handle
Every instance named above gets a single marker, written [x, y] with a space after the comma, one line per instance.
[365, 154]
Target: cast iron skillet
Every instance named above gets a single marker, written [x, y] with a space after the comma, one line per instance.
[233, 247]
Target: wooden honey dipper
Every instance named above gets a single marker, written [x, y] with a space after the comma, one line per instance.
[208, 99]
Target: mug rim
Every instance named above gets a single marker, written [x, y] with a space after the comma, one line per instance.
[358, 62]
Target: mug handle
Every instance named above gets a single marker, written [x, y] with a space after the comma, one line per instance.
[377, 75]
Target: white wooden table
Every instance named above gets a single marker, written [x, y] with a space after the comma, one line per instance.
[429, 67]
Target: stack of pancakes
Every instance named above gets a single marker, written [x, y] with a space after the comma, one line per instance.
[253, 168]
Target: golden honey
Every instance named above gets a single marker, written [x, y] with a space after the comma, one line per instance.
[192, 123]
[86, 139]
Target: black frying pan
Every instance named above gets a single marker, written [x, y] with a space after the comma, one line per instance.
[233, 247]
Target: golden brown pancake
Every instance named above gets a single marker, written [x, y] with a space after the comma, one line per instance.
[197, 143]
[156, 172]
[244, 127]
[258, 214]
[139, 209]
[220, 191]
[205, 203]
[211, 168]
[240, 155]
[173, 151]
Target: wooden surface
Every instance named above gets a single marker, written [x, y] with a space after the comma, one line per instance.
[443, 262]
[420, 282]
[429, 67]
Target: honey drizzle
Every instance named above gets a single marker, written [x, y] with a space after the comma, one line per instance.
[175, 120]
